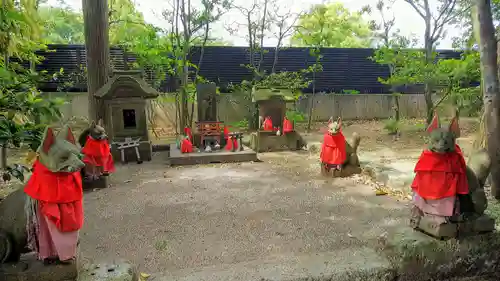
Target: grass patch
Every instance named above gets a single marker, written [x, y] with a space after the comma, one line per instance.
[161, 245]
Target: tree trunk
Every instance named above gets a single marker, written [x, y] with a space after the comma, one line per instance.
[96, 26]
[488, 51]
[429, 48]
[311, 104]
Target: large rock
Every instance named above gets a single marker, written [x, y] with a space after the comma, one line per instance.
[13, 236]
[115, 270]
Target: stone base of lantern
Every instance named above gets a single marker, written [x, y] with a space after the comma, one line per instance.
[268, 141]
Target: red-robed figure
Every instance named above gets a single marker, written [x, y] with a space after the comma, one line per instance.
[97, 156]
[287, 126]
[268, 124]
[187, 141]
[333, 153]
[55, 212]
[440, 173]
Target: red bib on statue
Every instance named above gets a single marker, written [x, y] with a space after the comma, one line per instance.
[268, 124]
[440, 175]
[186, 146]
[333, 149]
[98, 153]
[59, 195]
[287, 126]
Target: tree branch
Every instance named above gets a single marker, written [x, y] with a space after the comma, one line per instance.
[419, 10]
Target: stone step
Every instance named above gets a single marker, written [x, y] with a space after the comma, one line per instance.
[344, 265]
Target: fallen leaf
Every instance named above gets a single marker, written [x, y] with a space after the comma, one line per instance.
[379, 192]
[144, 276]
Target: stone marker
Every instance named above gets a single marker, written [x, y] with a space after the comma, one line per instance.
[115, 270]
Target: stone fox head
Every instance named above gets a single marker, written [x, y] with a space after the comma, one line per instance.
[60, 153]
[95, 130]
[443, 139]
[334, 127]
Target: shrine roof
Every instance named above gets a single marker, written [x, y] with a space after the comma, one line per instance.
[268, 94]
[141, 87]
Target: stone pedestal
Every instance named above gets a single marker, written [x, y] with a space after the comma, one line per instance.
[347, 171]
[117, 270]
[448, 230]
[267, 141]
[100, 183]
[31, 269]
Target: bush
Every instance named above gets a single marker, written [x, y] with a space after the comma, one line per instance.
[392, 126]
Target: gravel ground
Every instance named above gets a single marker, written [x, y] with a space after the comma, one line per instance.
[168, 219]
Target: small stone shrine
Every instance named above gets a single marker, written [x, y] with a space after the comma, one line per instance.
[272, 104]
[212, 141]
[125, 97]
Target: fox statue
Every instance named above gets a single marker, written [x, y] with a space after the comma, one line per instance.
[48, 215]
[96, 151]
[338, 157]
[448, 194]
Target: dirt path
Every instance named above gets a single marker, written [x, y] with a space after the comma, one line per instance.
[168, 219]
[181, 219]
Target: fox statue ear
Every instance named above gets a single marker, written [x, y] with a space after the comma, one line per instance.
[434, 123]
[67, 135]
[339, 122]
[330, 121]
[454, 127]
[48, 140]
[92, 124]
[100, 122]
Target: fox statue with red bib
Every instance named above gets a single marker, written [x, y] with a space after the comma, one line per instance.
[338, 157]
[448, 195]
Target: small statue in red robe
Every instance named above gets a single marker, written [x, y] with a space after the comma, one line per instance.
[287, 126]
[189, 134]
[440, 173]
[268, 124]
[333, 149]
[231, 144]
[97, 152]
[186, 145]
[55, 207]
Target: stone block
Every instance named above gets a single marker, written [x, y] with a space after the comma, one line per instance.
[100, 183]
[264, 141]
[31, 269]
[115, 270]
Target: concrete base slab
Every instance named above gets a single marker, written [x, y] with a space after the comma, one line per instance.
[177, 158]
[347, 265]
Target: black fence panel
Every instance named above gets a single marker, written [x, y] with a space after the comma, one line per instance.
[343, 69]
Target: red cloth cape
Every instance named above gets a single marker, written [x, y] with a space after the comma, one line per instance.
[59, 196]
[440, 175]
[186, 146]
[287, 126]
[187, 132]
[98, 153]
[231, 143]
[268, 124]
[333, 149]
